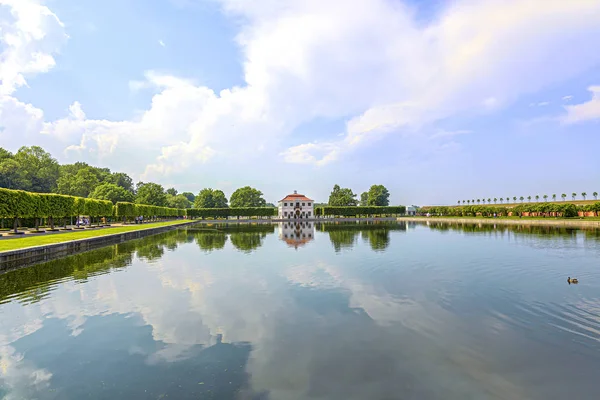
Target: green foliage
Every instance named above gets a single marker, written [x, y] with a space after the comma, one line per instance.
[378, 196]
[342, 197]
[79, 184]
[39, 170]
[214, 213]
[210, 198]
[364, 199]
[179, 201]
[357, 211]
[11, 175]
[172, 192]
[151, 194]
[190, 196]
[539, 209]
[121, 179]
[111, 192]
[247, 197]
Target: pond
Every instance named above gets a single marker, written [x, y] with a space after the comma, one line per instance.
[315, 311]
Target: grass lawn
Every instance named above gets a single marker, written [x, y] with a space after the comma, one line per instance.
[43, 239]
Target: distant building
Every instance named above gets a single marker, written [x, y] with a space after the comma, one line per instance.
[411, 210]
[296, 206]
[296, 233]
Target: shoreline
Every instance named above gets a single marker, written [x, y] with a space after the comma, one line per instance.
[497, 221]
[28, 256]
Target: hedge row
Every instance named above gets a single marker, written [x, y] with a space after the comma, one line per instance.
[541, 209]
[126, 210]
[354, 211]
[231, 212]
[16, 204]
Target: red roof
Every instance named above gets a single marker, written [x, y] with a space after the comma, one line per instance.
[296, 197]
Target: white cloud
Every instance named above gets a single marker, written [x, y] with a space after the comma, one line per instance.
[446, 134]
[371, 63]
[587, 111]
[543, 104]
[161, 43]
[567, 98]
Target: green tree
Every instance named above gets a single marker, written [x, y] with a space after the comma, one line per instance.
[364, 199]
[342, 197]
[190, 196]
[179, 201]
[584, 195]
[247, 197]
[595, 194]
[378, 196]
[81, 184]
[501, 199]
[515, 199]
[495, 200]
[151, 193]
[489, 200]
[545, 197]
[39, 169]
[11, 175]
[537, 197]
[211, 198]
[521, 198]
[112, 192]
[123, 180]
[573, 195]
[564, 196]
[529, 199]
[554, 197]
[172, 191]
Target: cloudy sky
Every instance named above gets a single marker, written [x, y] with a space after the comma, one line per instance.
[437, 100]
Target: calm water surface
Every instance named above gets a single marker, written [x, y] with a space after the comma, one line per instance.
[384, 311]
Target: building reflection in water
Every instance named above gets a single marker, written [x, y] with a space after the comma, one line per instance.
[296, 233]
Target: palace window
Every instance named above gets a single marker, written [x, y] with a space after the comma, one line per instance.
[285, 214]
[309, 213]
[303, 204]
[309, 204]
[285, 204]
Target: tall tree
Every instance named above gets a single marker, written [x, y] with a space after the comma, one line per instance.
[247, 197]
[529, 199]
[595, 194]
[11, 175]
[190, 196]
[364, 199]
[178, 201]
[39, 169]
[537, 197]
[123, 180]
[211, 198]
[584, 195]
[172, 191]
[112, 192]
[151, 193]
[574, 195]
[554, 197]
[80, 184]
[342, 197]
[495, 200]
[378, 196]
[545, 197]
[564, 196]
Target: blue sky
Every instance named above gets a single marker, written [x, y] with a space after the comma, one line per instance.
[439, 101]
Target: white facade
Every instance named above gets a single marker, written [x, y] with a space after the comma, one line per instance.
[411, 210]
[295, 207]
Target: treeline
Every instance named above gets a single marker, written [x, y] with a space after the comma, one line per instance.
[522, 198]
[32, 169]
[358, 211]
[377, 196]
[528, 209]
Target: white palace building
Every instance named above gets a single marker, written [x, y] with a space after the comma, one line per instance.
[296, 206]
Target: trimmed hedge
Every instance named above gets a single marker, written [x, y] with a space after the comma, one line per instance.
[231, 212]
[126, 211]
[17, 204]
[355, 211]
[538, 209]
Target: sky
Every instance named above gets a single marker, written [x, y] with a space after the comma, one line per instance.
[439, 101]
